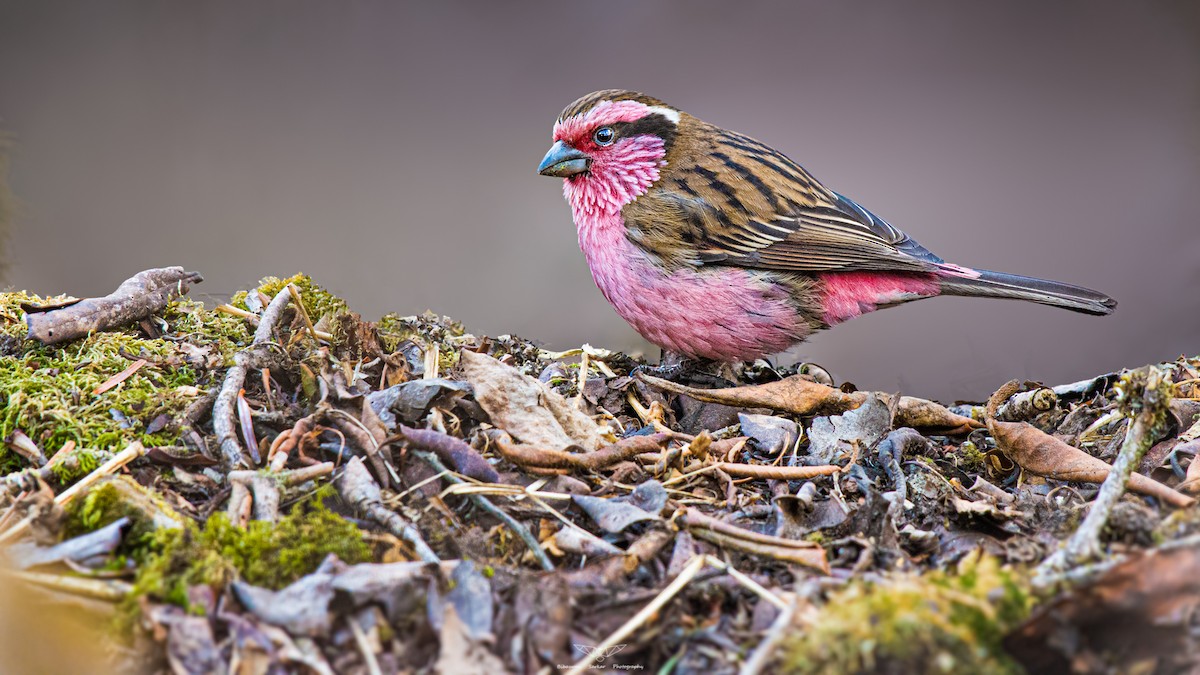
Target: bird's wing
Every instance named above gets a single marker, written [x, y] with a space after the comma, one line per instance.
[837, 236]
[742, 203]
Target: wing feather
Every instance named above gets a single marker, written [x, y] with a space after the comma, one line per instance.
[762, 210]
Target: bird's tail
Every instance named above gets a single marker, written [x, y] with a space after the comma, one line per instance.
[1043, 291]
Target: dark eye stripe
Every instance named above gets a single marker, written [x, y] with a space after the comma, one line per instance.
[656, 124]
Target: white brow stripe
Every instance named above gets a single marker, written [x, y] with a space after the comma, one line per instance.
[668, 113]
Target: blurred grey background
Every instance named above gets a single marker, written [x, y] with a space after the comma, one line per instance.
[389, 150]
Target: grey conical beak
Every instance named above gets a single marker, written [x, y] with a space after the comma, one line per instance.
[563, 161]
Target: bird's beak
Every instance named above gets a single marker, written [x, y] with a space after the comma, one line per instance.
[563, 161]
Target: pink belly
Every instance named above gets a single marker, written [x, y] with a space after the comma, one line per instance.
[725, 314]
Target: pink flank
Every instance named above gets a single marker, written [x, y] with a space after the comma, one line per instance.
[725, 314]
[851, 294]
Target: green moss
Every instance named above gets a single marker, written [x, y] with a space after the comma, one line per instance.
[47, 391]
[121, 497]
[262, 554]
[78, 464]
[938, 623]
[970, 458]
[223, 333]
[1181, 523]
[318, 302]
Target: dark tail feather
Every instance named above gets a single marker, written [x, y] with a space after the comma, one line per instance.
[1053, 293]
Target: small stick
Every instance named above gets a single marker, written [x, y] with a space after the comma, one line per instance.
[1027, 404]
[119, 377]
[101, 589]
[528, 457]
[746, 581]
[62, 452]
[238, 312]
[360, 639]
[777, 472]
[432, 358]
[276, 458]
[305, 474]
[731, 536]
[627, 629]
[295, 293]
[130, 453]
[224, 407]
[581, 381]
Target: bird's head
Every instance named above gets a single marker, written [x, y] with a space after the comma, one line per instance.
[609, 147]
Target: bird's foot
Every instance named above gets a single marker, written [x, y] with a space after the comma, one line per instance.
[672, 371]
[677, 368]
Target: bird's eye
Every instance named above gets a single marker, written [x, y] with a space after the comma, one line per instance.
[604, 136]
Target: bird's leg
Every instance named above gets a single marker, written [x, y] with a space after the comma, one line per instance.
[671, 366]
[679, 368]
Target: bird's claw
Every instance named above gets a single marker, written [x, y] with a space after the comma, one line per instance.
[670, 371]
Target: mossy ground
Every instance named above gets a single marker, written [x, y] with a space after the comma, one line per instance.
[120, 497]
[318, 302]
[48, 391]
[261, 554]
[941, 622]
[927, 622]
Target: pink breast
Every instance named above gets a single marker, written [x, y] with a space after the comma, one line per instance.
[724, 314]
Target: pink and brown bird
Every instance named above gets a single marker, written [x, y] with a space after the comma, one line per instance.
[713, 245]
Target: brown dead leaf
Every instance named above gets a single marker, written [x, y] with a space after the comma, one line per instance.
[799, 396]
[1040, 453]
[527, 409]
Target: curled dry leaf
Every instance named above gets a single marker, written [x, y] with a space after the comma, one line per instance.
[832, 436]
[612, 516]
[455, 452]
[527, 409]
[771, 434]
[1040, 453]
[1191, 483]
[460, 653]
[797, 395]
[20, 443]
[408, 402]
[470, 595]
[101, 542]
